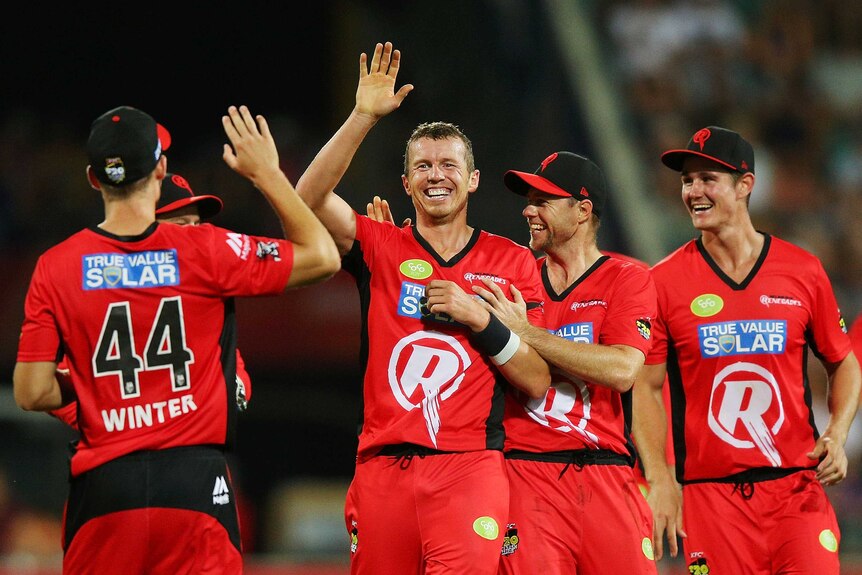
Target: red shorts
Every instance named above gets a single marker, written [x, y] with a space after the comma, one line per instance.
[590, 521]
[432, 514]
[786, 526]
[169, 511]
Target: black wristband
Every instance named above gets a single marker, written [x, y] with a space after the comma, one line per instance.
[494, 338]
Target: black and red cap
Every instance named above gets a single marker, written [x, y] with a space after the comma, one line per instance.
[720, 145]
[563, 174]
[177, 193]
[124, 145]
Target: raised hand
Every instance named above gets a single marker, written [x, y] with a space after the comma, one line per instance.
[375, 95]
[252, 151]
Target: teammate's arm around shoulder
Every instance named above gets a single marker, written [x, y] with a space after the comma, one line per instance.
[253, 154]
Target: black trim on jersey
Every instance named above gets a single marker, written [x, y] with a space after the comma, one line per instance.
[560, 297]
[228, 344]
[626, 400]
[457, 257]
[753, 475]
[495, 433]
[577, 457]
[767, 240]
[151, 229]
[353, 263]
[177, 478]
[677, 402]
[806, 387]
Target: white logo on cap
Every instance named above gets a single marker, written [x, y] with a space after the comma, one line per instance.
[115, 170]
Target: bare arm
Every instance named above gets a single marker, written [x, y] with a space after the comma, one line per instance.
[649, 430]
[843, 400]
[613, 366]
[375, 98]
[254, 155]
[35, 386]
[526, 369]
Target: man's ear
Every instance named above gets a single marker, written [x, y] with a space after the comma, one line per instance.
[474, 182]
[406, 183]
[745, 184]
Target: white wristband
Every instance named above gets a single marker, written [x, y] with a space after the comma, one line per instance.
[508, 350]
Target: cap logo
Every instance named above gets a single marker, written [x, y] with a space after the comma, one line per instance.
[115, 170]
[584, 192]
[701, 137]
[548, 160]
[744, 165]
[182, 183]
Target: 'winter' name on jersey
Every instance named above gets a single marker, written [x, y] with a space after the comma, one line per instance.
[580, 332]
[148, 414]
[743, 337]
[137, 270]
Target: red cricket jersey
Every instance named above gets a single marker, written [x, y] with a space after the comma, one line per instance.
[612, 303]
[147, 324]
[736, 356]
[425, 383]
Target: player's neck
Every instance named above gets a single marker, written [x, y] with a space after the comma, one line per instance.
[734, 250]
[130, 216]
[567, 263]
[448, 239]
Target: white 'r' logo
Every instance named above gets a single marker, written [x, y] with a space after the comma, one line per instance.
[557, 410]
[760, 394]
[432, 361]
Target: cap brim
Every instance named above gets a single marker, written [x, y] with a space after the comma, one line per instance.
[208, 206]
[522, 182]
[674, 159]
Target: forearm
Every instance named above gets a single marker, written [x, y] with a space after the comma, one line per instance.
[331, 162]
[35, 387]
[843, 400]
[527, 371]
[522, 366]
[316, 257]
[649, 422]
[604, 365]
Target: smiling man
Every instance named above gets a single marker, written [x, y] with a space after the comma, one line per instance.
[429, 491]
[738, 310]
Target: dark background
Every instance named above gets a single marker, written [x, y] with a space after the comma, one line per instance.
[483, 66]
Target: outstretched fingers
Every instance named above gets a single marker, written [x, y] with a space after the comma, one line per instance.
[377, 57]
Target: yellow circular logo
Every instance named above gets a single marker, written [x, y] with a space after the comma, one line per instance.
[828, 540]
[486, 527]
[706, 305]
[646, 547]
[416, 269]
